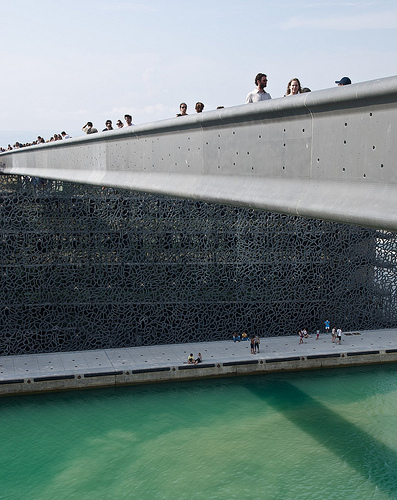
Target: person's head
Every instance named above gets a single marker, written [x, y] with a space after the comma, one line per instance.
[294, 87]
[128, 119]
[89, 124]
[343, 81]
[305, 90]
[119, 124]
[199, 107]
[261, 80]
[109, 124]
[183, 108]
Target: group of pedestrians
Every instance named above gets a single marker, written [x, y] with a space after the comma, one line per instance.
[294, 87]
[89, 128]
[254, 341]
[336, 334]
[40, 140]
[199, 107]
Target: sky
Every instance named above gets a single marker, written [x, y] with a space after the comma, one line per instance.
[65, 63]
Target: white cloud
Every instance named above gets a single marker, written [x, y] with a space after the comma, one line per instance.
[370, 20]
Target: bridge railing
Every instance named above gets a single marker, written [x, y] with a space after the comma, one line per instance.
[328, 154]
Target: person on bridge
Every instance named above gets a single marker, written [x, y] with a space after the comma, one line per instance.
[89, 128]
[128, 120]
[109, 126]
[343, 81]
[183, 108]
[293, 87]
[259, 94]
[199, 107]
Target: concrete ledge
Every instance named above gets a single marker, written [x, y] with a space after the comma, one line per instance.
[326, 356]
[280, 155]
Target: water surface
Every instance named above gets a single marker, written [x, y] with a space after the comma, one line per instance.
[319, 434]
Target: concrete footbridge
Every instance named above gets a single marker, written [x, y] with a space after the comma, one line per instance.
[329, 154]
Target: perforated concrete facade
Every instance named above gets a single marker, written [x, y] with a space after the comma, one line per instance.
[87, 267]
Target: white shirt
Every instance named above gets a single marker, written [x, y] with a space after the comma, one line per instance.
[256, 96]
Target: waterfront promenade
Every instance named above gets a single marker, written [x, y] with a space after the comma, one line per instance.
[138, 365]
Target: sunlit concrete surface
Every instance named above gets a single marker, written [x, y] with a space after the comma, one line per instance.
[139, 365]
[328, 154]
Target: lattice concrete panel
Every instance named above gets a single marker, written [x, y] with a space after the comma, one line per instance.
[84, 267]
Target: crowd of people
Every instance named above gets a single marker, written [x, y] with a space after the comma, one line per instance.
[336, 333]
[88, 128]
[294, 87]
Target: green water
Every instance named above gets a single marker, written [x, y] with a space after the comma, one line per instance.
[309, 435]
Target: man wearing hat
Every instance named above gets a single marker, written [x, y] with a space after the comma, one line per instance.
[344, 81]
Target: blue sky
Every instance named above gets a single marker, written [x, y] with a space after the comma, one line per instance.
[64, 63]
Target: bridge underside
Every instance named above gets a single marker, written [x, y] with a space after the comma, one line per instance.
[329, 155]
[87, 267]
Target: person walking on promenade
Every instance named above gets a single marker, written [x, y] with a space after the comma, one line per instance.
[252, 345]
[257, 342]
[327, 325]
[339, 335]
[333, 334]
[300, 333]
[259, 94]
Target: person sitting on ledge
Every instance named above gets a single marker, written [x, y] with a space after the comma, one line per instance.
[244, 336]
[199, 358]
[236, 336]
[191, 359]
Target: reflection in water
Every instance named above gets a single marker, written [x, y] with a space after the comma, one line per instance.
[369, 457]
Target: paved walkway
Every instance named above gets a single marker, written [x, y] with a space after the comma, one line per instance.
[106, 361]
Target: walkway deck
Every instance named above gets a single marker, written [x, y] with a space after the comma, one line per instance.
[138, 365]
